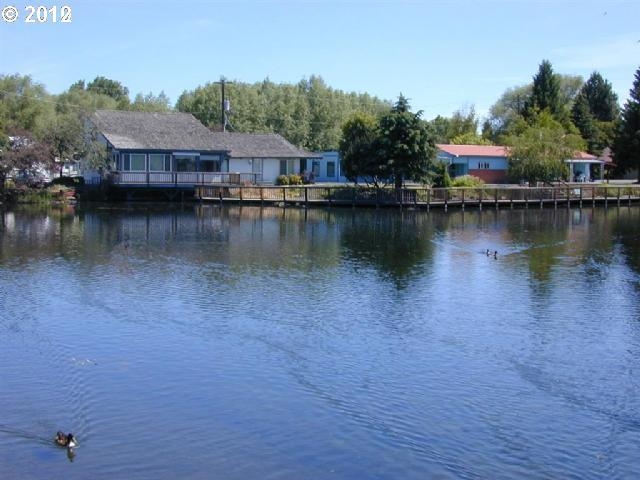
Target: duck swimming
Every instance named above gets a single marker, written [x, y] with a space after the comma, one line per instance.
[68, 440]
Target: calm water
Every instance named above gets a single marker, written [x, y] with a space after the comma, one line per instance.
[247, 343]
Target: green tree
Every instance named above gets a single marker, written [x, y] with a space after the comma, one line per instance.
[111, 88]
[602, 100]
[463, 123]
[594, 112]
[469, 138]
[308, 113]
[64, 134]
[23, 103]
[440, 129]
[151, 103]
[357, 149]
[405, 145]
[510, 107]
[507, 109]
[626, 144]
[586, 123]
[545, 92]
[539, 152]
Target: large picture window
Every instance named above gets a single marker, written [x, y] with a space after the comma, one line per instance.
[185, 163]
[159, 162]
[133, 162]
[210, 163]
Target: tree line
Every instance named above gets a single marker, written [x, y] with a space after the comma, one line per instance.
[543, 122]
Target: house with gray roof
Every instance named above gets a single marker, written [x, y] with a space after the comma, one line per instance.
[266, 155]
[175, 149]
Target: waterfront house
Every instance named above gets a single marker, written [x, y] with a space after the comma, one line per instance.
[176, 150]
[584, 167]
[264, 156]
[488, 162]
[491, 163]
[327, 168]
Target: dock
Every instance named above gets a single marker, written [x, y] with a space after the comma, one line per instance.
[423, 198]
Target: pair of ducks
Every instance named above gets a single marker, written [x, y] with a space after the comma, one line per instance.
[494, 254]
[67, 440]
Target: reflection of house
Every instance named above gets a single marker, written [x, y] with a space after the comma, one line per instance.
[488, 162]
[175, 149]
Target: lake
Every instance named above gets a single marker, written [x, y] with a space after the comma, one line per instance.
[201, 341]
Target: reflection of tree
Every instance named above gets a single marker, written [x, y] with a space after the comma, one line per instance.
[37, 231]
[542, 235]
[626, 229]
[391, 241]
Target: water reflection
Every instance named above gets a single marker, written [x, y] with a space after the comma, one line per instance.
[397, 244]
[374, 343]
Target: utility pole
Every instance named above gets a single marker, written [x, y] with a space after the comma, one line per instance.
[223, 118]
[224, 105]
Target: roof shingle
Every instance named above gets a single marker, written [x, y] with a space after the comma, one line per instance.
[259, 145]
[153, 131]
[182, 131]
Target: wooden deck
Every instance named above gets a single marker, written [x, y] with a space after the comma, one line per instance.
[505, 197]
[182, 179]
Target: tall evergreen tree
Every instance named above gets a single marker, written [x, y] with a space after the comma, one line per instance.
[545, 93]
[405, 144]
[602, 100]
[594, 111]
[626, 145]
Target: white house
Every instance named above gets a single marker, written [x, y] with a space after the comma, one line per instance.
[175, 149]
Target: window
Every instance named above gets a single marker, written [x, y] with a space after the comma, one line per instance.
[256, 165]
[287, 167]
[315, 168]
[185, 163]
[159, 162]
[210, 163]
[134, 162]
[331, 169]
[209, 166]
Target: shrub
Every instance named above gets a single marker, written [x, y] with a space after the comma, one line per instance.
[467, 181]
[282, 180]
[68, 181]
[441, 178]
[295, 179]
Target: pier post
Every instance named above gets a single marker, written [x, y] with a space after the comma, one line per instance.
[541, 197]
[580, 197]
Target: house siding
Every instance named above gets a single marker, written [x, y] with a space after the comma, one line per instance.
[491, 169]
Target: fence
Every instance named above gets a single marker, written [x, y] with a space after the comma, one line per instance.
[186, 179]
[423, 197]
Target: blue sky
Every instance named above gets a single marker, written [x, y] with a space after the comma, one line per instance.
[442, 55]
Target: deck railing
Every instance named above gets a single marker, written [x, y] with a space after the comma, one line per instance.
[424, 197]
[183, 179]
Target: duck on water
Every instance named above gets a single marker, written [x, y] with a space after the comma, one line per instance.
[67, 440]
